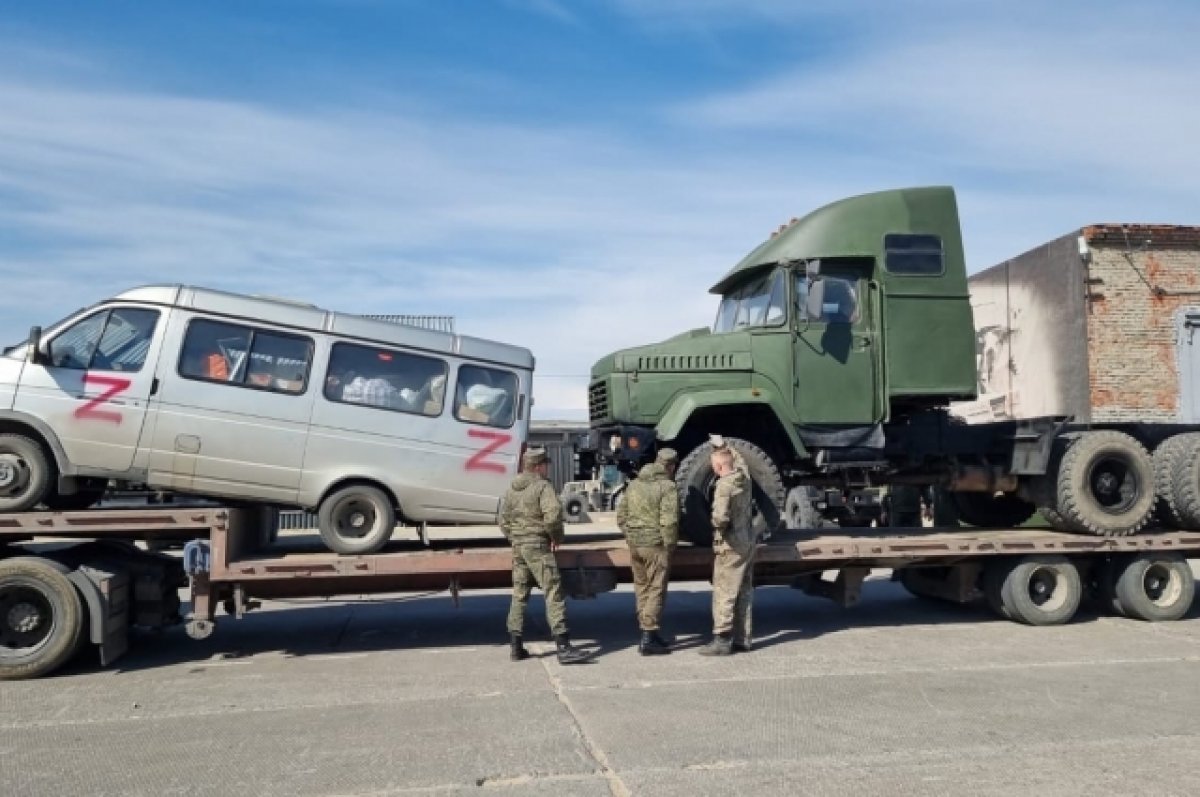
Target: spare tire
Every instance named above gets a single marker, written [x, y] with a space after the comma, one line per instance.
[1104, 485]
[1184, 492]
[696, 481]
[1166, 461]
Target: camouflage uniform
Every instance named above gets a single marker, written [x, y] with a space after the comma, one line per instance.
[734, 548]
[771, 516]
[648, 515]
[531, 517]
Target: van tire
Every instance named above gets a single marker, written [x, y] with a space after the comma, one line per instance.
[27, 471]
[354, 508]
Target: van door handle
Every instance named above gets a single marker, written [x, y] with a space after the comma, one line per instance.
[154, 386]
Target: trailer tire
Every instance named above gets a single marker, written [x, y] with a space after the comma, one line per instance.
[1166, 461]
[26, 473]
[695, 481]
[1152, 587]
[1041, 590]
[41, 617]
[1105, 485]
[346, 511]
[991, 510]
[1184, 491]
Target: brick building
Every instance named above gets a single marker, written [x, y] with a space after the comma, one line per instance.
[1097, 324]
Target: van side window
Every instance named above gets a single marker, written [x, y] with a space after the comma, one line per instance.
[485, 395]
[386, 378]
[111, 340]
[214, 351]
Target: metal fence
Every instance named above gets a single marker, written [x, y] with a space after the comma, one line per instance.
[437, 323]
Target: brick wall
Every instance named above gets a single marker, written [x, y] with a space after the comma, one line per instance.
[1136, 292]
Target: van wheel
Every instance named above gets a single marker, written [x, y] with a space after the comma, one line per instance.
[25, 473]
[356, 520]
[41, 617]
[1152, 587]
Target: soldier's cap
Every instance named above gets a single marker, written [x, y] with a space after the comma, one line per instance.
[667, 456]
[534, 457]
[716, 441]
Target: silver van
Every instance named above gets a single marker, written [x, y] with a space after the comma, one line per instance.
[235, 397]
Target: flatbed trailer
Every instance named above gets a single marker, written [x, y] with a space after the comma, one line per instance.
[73, 579]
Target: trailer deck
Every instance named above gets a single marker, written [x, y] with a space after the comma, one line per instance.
[232, 561]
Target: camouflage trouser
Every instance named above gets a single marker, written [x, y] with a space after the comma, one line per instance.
[651, 570]
[733, 590]
[535, 564]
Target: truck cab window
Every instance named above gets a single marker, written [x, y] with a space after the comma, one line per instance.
[486, 395]
[761, 302]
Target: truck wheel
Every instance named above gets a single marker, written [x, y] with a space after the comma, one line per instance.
[1166, 461]
[356, 520]
[25, 473]
[991, 510]
[41, 617]
[86, 496]
[1152, 587]
[1041, 590]
[1105, 485]
[1184, 492]
[696, 481]
[799, 510]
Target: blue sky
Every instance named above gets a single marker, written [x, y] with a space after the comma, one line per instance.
[568, 176]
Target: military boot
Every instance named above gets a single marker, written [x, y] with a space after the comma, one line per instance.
[518, 652]
[649, 646]
[744, 646]
[659, 640]
[721, 645]
[566, 653]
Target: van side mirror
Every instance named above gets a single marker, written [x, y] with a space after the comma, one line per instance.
[35, 354]
[814, 303]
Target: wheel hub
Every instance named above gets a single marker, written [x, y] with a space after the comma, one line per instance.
[13, 474]
[24, 618]
[1114, 485]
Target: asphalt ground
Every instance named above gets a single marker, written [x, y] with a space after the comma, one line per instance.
[411, 695]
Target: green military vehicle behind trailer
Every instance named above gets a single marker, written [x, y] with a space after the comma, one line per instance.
[839, 346]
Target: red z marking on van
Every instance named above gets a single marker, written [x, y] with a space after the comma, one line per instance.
[113, 387]
[480, 460]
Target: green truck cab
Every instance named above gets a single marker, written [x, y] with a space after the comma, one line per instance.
[838, 347]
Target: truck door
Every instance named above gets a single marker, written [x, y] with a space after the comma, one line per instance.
[94, 385]
[836, 378]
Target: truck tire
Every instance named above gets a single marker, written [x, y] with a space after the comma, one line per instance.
[991, 510]
[41, 617]
[1166, 461]
[1184, 491]
[1152, 586]
[1105, 485]
[1041, 590]
[696, 480]
[25, 473]
[356, 520]
[799, 511]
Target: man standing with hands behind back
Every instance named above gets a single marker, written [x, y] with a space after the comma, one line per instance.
[734, 547]
[648, 515]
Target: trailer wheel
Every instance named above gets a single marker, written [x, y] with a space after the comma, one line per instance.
[994, 576]
[356, 520]
[1105, 485]
[1041, 590]
[25, 473]
[1184, 491]
[991, 509]
[696, 481]
[41, 618]
[1166, 460]
[1152, 587]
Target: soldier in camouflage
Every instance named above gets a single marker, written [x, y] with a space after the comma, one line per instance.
[734, 548]
[648, 515]
[531, 517]
[771, 517]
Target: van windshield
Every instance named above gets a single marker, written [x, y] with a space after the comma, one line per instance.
[18, 349]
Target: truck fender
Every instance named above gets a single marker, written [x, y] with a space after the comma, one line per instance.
[682, 409]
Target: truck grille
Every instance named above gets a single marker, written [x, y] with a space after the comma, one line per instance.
[598, 400]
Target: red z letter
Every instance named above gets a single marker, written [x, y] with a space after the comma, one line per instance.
[479, 460]
[114, 386]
